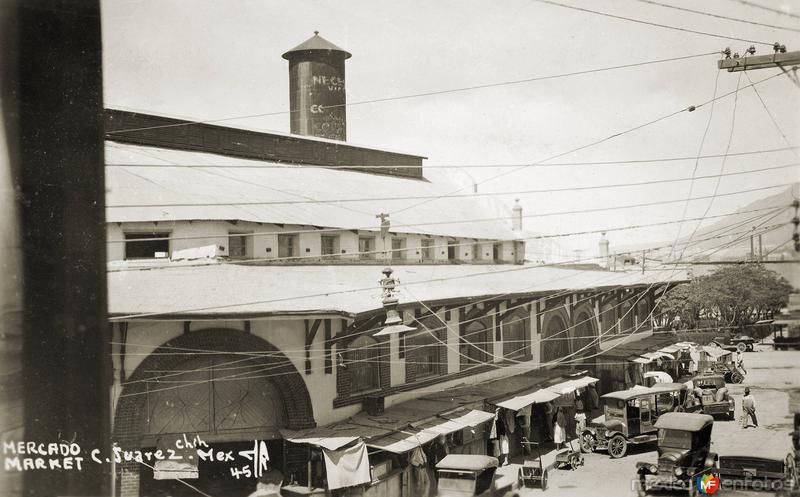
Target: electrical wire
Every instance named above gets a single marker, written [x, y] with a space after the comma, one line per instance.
[768, 9]
[461, 221]
[649, 23]
[722, 166]
[278, 165]
[424, 94]
[771, 116]
[719, 16]
[325, 294]
[697, 161]
[425, 197]
[596, 142]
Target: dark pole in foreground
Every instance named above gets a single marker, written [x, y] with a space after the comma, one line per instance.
[52, 110]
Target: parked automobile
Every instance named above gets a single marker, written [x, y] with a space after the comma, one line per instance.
[461, 475]
[741, 343]
[759, 472]
[630, 416]
[684, 456]
[712, 392]
[721, 361]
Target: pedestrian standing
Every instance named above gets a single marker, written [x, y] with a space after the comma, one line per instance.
[559, 428]
[740, 361]
[749, 409]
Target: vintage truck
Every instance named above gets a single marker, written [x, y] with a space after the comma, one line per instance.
[465, 475]
[741, 343]
[712, 394]
[685, 460]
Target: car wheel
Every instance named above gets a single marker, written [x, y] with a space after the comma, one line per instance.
[736, 377]
[750, 347]
[741, 347]
[617, 446]
[544, 480]
[587, 443]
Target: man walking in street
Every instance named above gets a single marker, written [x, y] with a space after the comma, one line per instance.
[749, 409]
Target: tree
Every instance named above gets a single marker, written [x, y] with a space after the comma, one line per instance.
[735, 296]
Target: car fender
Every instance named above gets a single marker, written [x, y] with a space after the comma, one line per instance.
[712, 461]
[613, 427]
[643, 467]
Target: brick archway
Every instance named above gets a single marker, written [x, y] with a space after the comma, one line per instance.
[131, 408]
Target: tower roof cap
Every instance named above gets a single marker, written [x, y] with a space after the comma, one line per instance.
[315, 44]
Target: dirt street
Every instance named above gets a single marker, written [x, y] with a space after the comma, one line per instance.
[771, 374]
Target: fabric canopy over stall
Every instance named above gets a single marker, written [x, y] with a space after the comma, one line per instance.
[520, 401]
[715, 352]
[332, 437]
[414, 436]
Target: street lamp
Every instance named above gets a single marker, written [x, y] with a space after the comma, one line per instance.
[393, 322]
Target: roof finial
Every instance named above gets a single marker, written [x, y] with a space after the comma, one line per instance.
[316, 33]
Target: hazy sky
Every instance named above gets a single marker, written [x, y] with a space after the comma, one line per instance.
[210, 59]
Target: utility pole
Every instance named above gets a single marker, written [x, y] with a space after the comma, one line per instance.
[780, 58]
[643, 255]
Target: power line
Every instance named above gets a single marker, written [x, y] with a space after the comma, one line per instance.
[445, 166]
[719, 16]
[435, 246]
[771, 116]
[339, 292]
[768, 9]
[425, 197]
[424, 94]
[649, 23]
[597, 142]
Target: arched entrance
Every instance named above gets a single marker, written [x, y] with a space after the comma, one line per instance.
[555, 339]
[245, 390]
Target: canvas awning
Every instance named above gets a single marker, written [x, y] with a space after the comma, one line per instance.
[408, 439]
[517, 402]
[715, 352]
[641, 360]
[670, 349]
[657, 354]
[332, 437]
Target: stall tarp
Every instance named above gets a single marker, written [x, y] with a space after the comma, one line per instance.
[402, 441]
[333, 436]
[656, 355]
[641, 360]
[584, 381]
[422, 433]
[347, 467]
[715, 352]
[517, 402]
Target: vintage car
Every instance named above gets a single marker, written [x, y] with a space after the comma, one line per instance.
[742, 343]
[630, 416]
[712, 393]
[760, 472]
[721, 361]
[463, 475]
[684, 456]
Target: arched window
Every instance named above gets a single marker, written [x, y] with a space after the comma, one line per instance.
[362, 363]
[643, 313]
[555, 341]
[584, 334]
[474, 348]
[626, 319]
[516, 341]
[425, 349]
[608, 321]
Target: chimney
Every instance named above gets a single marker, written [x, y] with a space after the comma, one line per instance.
[317, 97]
[604, 251]
[516, 217]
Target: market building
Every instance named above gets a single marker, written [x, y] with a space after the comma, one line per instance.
[244, 293]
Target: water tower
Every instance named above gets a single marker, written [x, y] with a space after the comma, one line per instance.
[317, 89]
